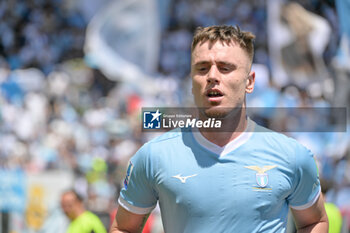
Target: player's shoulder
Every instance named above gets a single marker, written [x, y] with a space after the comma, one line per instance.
[163, 140]
[169, 136]
[89, 215]
[159, 145]
[278, 140]
[86, 217]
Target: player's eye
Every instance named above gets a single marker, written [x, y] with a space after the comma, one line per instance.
[224, 69]
[202, 69]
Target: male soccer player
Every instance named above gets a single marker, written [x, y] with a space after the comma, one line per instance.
[241, 180]
[82, 221]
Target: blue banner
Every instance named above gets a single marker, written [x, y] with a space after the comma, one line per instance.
[12, 190]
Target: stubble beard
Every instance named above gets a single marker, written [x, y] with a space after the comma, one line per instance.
[220, 112]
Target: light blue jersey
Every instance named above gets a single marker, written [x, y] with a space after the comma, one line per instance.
[246, 186]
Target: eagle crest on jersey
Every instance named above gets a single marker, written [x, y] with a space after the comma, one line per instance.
[261, 177]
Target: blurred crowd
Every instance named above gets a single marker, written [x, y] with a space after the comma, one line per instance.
[39, 33]
[59, 113]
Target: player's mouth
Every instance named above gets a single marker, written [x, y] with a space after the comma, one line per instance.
[214, 95]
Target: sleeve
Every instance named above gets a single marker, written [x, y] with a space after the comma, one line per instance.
[138, 195]
[306, 183]
[98, 226]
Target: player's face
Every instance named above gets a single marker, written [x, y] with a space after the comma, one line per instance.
[221, 77]
[69, 205]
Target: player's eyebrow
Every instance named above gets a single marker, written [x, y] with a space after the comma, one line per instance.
[218, 62]
[201, 63]
[225, 63]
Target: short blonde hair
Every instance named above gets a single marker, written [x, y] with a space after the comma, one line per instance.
[225, 34]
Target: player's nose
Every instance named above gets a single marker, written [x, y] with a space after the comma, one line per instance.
[213, 75]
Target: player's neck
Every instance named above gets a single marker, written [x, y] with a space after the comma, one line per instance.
[231, 128]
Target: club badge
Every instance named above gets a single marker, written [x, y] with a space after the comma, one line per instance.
[262, 178]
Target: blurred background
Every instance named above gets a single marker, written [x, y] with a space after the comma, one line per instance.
[74, 75]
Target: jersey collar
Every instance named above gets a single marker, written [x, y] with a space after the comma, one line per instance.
[232, 145]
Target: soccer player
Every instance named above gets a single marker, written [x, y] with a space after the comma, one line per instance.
[82, 221]
[241, 180]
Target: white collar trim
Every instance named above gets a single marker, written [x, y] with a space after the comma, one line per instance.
[232, 145]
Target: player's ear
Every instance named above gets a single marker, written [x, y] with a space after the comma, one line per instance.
[250, 82]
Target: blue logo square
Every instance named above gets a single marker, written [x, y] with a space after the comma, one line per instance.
[152, 119]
